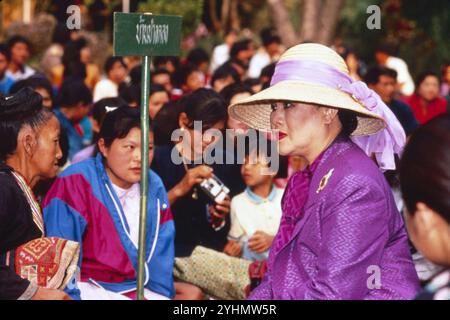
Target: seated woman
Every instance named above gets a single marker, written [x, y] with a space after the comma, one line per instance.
[96, 202]
[341, 235]
[29, 152]
[425, 184]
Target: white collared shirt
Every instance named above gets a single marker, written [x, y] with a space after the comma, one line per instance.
[251, 213]
[130, 201]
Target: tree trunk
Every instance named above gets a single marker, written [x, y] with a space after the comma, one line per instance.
[328, 20]
[283, 23]
[235, 22]
[225, 14]
[213, 15]
[310, 11]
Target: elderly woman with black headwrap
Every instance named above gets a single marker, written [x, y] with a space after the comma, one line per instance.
[29, 152]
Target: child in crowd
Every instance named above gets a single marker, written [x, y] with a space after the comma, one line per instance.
[256, 212]
[116, 73]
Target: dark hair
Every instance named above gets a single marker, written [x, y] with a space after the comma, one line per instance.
[40, 81]
[4, 50]
[73, 67]
[157, 88]
[99, 108]
[268, 71]
[73, 92]
[130, 93]
[61, 34]
[233, 89]
[18, 39]
[180, 76]
[159, 71]
[373, 74]
[204, 105]
[17, 86]
[109, 64]
[117, 124]
[425, 169]
[166, 122]
[239, 46]
[250, 82]
[225, 71]
[197, 56]
[386, 48]
[269, 36]
[348, 120]
[421, 78]
[17, 110]
[162, 60]
[135, 75]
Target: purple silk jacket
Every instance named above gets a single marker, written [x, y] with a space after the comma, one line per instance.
[349, 230]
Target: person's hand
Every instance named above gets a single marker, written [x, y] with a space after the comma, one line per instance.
[221, 209]
[192, 177]
[50, 294]
[233, 248]
[260, 242]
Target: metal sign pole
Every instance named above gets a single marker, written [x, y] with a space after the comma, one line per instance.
[145, 35]
[145, 93]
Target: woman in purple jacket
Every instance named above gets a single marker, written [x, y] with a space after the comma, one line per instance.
[341, 236]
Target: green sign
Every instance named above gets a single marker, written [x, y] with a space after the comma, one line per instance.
[141, 34]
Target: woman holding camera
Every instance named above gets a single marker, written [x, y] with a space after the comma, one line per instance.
[199, 220]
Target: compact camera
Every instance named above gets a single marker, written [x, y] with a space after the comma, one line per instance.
[214, 188]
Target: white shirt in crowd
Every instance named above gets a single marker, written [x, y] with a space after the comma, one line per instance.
[260, 60]
[130, 201]
[105, 88]
[19, 75]
[251, 213]
[221, 54]
[403, 75]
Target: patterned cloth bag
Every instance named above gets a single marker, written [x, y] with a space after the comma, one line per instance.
[49, 262]
[217, 274]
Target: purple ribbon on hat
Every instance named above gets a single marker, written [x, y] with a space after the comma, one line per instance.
[383, 144]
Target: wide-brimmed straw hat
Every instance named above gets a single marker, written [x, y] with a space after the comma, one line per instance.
[308, 73]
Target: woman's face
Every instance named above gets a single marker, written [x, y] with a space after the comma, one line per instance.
[123, 158]
[447, 75]
[198, 140]
[20, 53]
[118, 72]
[429, 88]
[298, 124]
[430, 234]
[85, 55]
[156, 101]
[239, 127]
[47, 151]
[46, 98]
[195, 80]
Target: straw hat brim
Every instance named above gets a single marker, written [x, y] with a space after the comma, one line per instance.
[255, 110]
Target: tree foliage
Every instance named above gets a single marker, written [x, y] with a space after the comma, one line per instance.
[190, 10]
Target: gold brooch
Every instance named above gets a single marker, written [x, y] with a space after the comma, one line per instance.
[324, 181]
